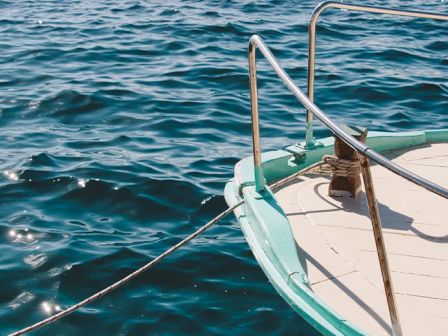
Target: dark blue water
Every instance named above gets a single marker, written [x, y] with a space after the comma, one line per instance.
[120, 123]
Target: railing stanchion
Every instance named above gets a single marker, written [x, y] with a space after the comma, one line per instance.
[380, 246]
[365, 151]
[311, 61]
[258, 169]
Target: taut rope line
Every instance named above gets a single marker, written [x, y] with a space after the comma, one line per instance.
[153, 262]
[128, 277]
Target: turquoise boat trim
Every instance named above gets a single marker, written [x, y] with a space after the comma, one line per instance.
[293, 288]
[286, 272]
[268, 231]
[259, 179]
[436, 135]
[280, 163]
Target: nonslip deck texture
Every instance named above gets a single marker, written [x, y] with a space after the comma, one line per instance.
[337, 249]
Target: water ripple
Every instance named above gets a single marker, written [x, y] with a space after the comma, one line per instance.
[122, 120]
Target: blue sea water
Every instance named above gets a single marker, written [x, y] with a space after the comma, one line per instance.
[121, 121]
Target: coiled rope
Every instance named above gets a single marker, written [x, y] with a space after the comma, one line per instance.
[153, 262]
[342, 167]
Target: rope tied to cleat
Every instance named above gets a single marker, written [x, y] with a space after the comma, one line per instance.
[342, 167]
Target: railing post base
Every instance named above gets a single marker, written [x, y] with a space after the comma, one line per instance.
[259, 179]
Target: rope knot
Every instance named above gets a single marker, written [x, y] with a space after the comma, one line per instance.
[342, 167]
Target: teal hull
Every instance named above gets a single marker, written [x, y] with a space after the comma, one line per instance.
[268, 232]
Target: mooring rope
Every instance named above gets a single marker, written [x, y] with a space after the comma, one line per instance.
[342, 167]
[153, 262]
[128, 277]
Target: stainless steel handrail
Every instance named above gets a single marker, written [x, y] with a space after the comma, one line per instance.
[365, 152]
[361, 148]
[312, 43]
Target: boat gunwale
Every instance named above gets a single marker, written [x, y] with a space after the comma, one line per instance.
[272, 255]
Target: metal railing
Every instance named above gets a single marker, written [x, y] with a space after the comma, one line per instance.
[365, 152]
[312, 43]
[361, 148]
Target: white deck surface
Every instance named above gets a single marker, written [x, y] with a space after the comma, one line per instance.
[337, 249]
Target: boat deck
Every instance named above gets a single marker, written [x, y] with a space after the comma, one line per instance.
[337, 249]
